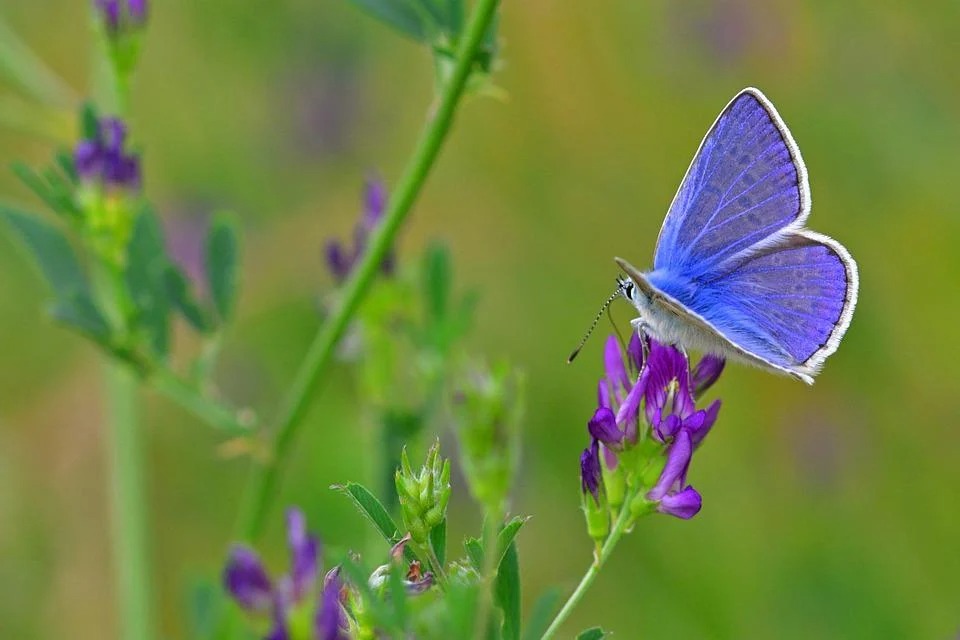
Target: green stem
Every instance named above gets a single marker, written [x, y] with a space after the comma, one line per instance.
[264, 479]
[619, 527]
[22, 65]
[128, 499]
[491, 531]
[189, 397]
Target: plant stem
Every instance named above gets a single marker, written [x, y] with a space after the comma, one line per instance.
[491, 530]
[189, 397]
[128, 500]
[26, 68]
[619, 527]
[263, 482]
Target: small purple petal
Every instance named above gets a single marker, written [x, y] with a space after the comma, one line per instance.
[110, 10]
[709, 418]
[629, 411]
[610, 459]
[706, 373]
[603, 394]
[675, 470]
[374, 203]
[337, 260]
[635, 351]
[246, 580]
[303, 554]
[613, 363]
[330, 621]
[420, 586]
[684, 504]
[137, 10]
[87, 159]
[590, 471]
[603, 427]
[114, 134]
[667, 427]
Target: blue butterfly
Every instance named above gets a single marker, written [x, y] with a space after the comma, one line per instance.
[735, 271]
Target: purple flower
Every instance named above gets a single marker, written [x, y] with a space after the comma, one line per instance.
[668, 397]
[137, 10]
[671, 492]
[656, 378]
[103, 160]
[117, 13]
[590, 471]
[342, 258]
[247, 581]
[620, 391]
[330, 621]
[706, 373]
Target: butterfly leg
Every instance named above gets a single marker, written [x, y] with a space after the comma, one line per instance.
[642, 328]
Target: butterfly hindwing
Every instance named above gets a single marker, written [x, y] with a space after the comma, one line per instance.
[788, 305]
[746, 184]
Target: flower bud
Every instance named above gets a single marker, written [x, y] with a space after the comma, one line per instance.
[424, 495]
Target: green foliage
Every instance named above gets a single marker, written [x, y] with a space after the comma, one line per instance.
[507, 592]
[50, 251]
[222, 264]
[372, 509]
[408, 18]
[77, 311]
[51, 187]
[424, 495]
[593, 633]
[145, 278]
[488, 414]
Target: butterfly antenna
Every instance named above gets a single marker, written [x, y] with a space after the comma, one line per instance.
[613, 296]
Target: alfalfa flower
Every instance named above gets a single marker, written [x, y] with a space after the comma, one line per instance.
[293, 597]
[341, 257]
[644, 432]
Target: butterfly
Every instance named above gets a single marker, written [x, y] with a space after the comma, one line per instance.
[735, 271]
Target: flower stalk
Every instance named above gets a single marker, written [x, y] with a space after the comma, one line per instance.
[264, 479]
[620, 526]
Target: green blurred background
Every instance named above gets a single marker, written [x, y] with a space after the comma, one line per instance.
[829, 511]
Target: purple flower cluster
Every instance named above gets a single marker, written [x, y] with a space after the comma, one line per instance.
[247, 581]
[103, 160]
[116, 13]
[659, 378]
[342, 258]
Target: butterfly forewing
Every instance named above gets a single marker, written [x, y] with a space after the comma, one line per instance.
[746, 184]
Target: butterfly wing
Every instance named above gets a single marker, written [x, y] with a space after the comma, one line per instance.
[745, 187]
[786, 306]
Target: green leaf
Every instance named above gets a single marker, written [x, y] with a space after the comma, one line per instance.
[406, 16]
[507, 535]
[204, 608]
[438, 539]
[89, 122]
[179, 294]
[65, 161]
[507, 593]
[542, 614]
[398, 597]
[437, 276]
[222, 262]
[51, 251]
[474, 549]
[593, 633]
[461, 605]
[146, 265]
[372, 509]
[58, 200]
[78, 311]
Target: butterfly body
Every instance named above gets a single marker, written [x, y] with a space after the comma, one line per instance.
[736, 273]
